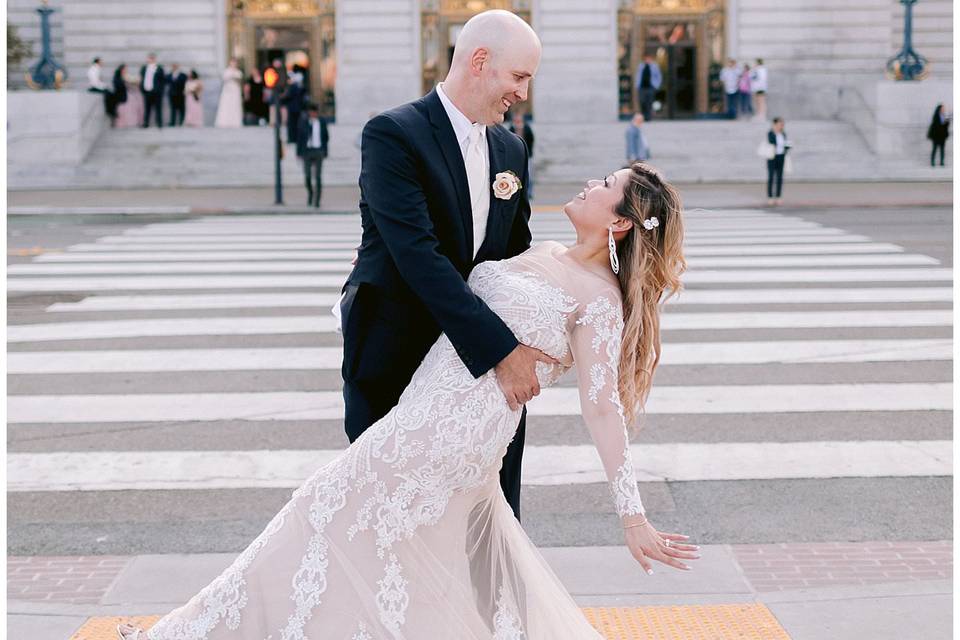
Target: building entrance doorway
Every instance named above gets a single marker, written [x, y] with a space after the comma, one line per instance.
[301, 34]
[686, 41]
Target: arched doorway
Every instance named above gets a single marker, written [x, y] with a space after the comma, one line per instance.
[301, 32]
[686, 39]
[440, 24]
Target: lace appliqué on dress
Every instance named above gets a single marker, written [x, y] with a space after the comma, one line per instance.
[506, 621]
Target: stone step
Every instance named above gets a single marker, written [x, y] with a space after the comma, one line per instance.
[686, 151]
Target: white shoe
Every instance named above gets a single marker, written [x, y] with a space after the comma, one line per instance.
[127, 631]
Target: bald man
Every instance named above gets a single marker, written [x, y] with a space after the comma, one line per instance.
[429, 215]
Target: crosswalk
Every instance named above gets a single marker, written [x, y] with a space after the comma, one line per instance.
[779, 316]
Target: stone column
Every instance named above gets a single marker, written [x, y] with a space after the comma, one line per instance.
[378, 57]
[378, 67]
[575, 92]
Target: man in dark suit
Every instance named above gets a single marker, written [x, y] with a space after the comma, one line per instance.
[151, 86]
[177, 81]
[312, 139]
[429, 216]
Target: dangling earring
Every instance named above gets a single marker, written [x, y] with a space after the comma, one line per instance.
[614, 259]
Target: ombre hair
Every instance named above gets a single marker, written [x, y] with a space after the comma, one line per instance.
[651, 262]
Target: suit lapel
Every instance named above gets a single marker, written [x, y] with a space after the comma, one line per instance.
[447, 141]
[497, 151]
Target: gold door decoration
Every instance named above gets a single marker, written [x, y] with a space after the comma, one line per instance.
[686, 38]
[440, 22]
[299, 31]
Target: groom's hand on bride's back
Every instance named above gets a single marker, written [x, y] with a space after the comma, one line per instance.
[517, 374]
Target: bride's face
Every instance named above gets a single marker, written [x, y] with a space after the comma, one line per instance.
[591, 210]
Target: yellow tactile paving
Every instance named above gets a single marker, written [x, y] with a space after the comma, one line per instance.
[105, 628]
[750, 621]
[707, 622]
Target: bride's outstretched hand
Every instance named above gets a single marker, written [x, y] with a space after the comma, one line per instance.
[646, 543]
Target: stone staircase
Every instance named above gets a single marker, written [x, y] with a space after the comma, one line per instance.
[687, 152]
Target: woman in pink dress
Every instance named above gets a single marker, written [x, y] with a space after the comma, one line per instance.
[194, 91]
[130, 113]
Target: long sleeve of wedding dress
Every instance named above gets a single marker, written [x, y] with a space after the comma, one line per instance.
[595, 342]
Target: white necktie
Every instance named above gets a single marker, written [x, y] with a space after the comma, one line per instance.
[476, 166]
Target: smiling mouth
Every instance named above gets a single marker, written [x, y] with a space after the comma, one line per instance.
[506, 103]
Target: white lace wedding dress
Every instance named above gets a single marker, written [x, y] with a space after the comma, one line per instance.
[407, 534]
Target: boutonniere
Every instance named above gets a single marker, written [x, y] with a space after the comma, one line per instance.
[505, 184]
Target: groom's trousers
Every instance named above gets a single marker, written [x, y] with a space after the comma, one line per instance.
[368, 401]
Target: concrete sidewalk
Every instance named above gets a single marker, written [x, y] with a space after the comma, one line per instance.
[548, 198]
[798, 591]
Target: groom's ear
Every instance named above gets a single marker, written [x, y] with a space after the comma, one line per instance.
[480, 57]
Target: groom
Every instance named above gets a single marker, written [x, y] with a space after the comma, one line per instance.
[429, 215]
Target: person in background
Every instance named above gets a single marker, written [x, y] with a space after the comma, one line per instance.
[230, 106]
[649, 79]
[256, 111]
[194, 102]
[130, 111]
[730, 77]
[778, 138]
[523, 129]
[637, 148]
[151, 86]
[312, 139]
[758, 84]
[177, 80]
[293, 98]
[744, 89]
[97, 85]
[938, 132]
[117, 95]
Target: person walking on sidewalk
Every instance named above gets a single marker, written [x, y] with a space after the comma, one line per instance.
[938, 132]
[312, 139]
[649, 79]
[777, 138]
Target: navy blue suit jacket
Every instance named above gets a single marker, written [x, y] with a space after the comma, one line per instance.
[409, 283]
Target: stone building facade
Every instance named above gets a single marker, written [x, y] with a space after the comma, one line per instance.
[366, 55]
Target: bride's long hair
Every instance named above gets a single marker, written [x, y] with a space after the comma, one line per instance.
[651, 262]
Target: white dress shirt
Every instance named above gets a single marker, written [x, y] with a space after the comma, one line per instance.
[148, 77]
[314, 134]
[93, 77]
[480, 204]
[781, 143]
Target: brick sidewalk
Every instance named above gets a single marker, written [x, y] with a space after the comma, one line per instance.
[62, 579]
[776, 567]
[768, 567]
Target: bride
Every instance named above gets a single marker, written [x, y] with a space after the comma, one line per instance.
[406, 534]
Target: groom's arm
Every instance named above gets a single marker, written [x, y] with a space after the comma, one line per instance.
[390, 183]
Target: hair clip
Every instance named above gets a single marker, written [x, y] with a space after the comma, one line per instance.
[650, 223]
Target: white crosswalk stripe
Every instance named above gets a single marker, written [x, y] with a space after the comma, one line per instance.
[259, 290]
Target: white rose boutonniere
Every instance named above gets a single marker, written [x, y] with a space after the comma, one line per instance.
[505, 184]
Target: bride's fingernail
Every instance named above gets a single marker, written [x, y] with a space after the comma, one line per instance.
[649, 572]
